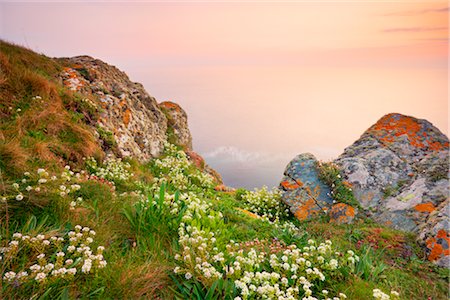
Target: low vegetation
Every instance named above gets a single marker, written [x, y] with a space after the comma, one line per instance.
[77, 223]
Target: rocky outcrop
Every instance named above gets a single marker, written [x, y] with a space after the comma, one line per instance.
[302, 191]
[342, 213]
[139, 126]
[200, 163]
[127, 111]
[177, 124]
[399, 172]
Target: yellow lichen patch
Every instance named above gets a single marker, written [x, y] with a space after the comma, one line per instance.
[425, 207]
[249, 213]
[306, 210]
[437, 244]
[126, 116]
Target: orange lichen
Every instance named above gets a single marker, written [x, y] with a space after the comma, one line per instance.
[289, 186]
[122, 103]
[397, 125]
[299, 182]
[425, 207]
[126, 116]
[437, 249]
[307, 209]
[342, 213]
[436, 146]
[71, 79]
[225, 189]
[249, 213]
[347, 184]
[196, 159]
[170, 105]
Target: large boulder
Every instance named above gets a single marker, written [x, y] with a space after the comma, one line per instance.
[399, 172]
[303, 191]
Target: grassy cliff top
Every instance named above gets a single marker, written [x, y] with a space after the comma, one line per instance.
[76, 223]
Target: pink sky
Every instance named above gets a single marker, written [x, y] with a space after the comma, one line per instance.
[260, 81]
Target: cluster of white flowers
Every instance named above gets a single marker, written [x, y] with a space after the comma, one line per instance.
[198, 251]
[40, 182]
[289, 274]
[73, 204]
[255, 272]
[379, 295]
[56, 257]
[265, 203]
[90, 103]
[283, 272]
[113, 169]
[176, 169]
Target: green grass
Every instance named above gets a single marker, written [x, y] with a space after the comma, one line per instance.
[135, 224]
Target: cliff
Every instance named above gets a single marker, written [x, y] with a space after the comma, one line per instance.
[71, 108]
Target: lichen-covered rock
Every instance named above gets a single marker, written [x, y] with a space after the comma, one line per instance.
[138, 125]
[216, 175]
[200, 163]
[303, 191]
[399, 172]
[224, 188]
[177, 124]
[341, 213]
[133, 117]
[435, 231]
[196, 159]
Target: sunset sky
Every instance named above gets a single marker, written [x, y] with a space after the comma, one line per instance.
[260, 81]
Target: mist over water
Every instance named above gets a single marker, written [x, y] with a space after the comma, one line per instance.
[249, 122]
[279, 80]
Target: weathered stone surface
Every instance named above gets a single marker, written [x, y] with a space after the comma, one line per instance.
[139, 125]
[129, 112]
[196, 159]
[216, 175]
[342, 213]
[303, 192]
[224, 188]
[177, 121]
[435, 231]
[399, 171]
[200, 163]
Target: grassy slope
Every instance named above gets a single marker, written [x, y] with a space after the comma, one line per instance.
[39, 131]
[140, 250]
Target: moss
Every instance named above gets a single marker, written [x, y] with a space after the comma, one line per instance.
[109, 141]
[439, 171]
[85, 73]
[341, 190]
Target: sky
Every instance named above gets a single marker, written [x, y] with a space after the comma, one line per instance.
[261, 81]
